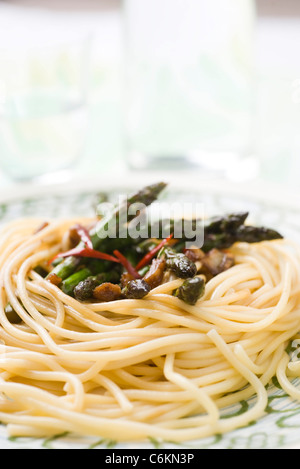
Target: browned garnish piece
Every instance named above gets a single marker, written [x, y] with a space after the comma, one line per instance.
[215, 262]
[54, 279]
[74, 236]
[194, 254]
[107, 292]
[125, 278]
[155, 274]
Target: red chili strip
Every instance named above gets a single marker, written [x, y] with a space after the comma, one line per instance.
[128, 266]
[149, 256]
[84, 235]
[87, 252]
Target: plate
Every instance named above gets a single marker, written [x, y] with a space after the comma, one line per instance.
[270, 206]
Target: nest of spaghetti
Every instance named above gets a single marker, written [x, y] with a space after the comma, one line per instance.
[129, 339]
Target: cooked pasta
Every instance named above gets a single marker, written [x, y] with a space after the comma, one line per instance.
[156, 367]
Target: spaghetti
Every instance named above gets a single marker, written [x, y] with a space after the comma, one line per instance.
[137, 368]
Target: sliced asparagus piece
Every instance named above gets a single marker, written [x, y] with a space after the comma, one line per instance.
[179, 263]
[136, 289]
[66, 268]
[191, 290]
[145, 196]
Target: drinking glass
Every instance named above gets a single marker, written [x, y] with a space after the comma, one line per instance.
[43, 106]
[188, 94]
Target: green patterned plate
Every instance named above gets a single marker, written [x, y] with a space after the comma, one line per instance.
[280, 427]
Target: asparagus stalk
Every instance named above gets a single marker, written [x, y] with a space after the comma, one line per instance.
[223, 225]
[254, 234]
[228, 223]
[219, 232]
[66, 268]
[146, 197]
[244, 233]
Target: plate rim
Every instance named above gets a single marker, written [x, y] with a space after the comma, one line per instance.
[259, 191]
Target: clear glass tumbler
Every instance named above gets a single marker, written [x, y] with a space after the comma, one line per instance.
[43, 106]
[188, 95]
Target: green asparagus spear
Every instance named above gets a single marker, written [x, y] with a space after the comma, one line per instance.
[215, 225]
[218, 241]
[244, 233]
[219, 232]
[228, 223]
[254, 234]
[145, 196]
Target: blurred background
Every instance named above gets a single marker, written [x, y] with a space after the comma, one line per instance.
[109, 88]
